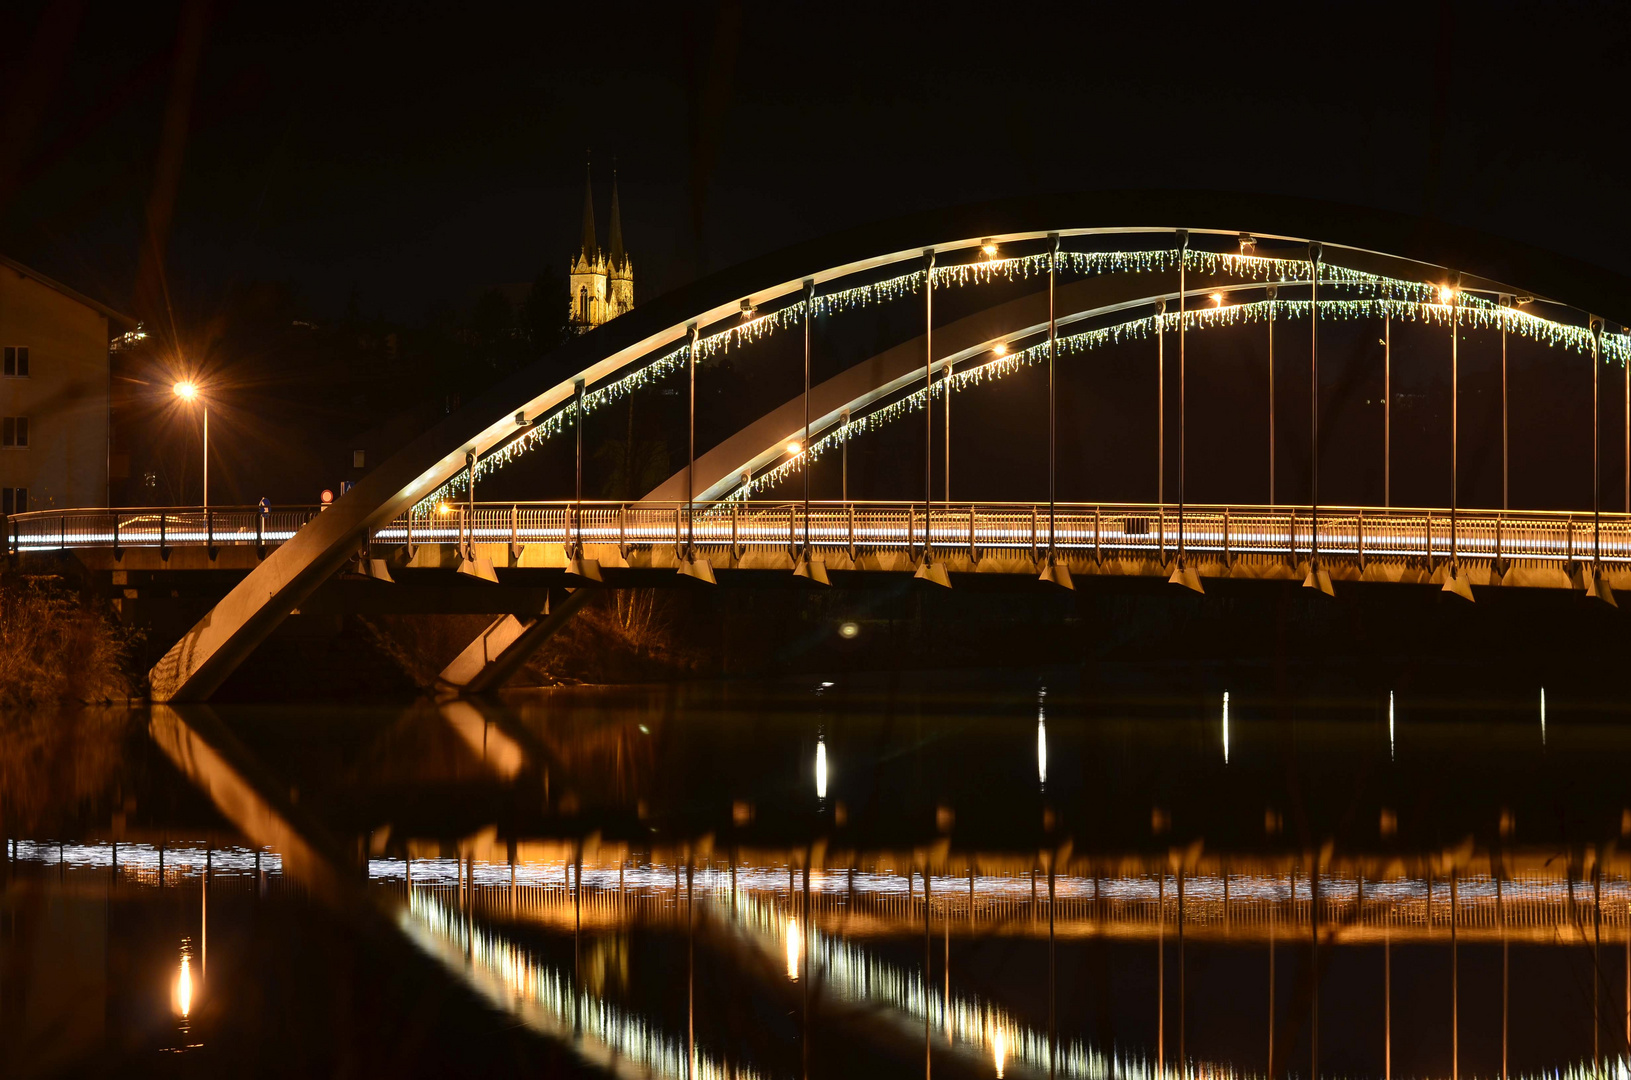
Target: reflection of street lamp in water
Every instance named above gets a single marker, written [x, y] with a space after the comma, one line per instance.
[1042, 738]
[189, 391]
[184, 983]
[794, 946]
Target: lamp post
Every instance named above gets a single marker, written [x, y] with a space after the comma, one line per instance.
[189, 391]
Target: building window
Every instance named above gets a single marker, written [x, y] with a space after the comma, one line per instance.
[14, 431]
[583, 303]
[13, 500]
[357, 459]
[16, 363]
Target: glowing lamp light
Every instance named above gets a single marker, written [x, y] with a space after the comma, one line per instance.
[793, 447]
[1000, 349]
[1041, 748]
[184, 987]
[1217, 299]
[795, 946]
[821, 768]
[443, 508]
[990, 249]
[186, 390]
[848, 631]
[1446, 294]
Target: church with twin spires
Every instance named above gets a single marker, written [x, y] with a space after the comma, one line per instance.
[601, 282]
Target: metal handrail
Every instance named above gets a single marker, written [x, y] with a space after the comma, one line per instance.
[1098, 530]
[29, 515]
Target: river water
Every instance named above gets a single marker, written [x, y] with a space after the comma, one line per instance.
[953, 875]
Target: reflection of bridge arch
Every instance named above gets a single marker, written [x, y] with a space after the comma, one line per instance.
[684, 328]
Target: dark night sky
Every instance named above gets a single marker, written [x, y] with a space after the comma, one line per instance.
[418, 152]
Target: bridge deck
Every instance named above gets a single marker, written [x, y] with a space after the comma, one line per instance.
[1534, 548]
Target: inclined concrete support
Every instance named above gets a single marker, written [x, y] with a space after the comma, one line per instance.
[498, 652]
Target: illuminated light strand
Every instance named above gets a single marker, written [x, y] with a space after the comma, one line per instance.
[1251, 267]
[509, 976]
[967, 1021]
[992, 370]
[1542, 330]
[1118, 262]
[1421, 302]
[861, 296]
[555, 423]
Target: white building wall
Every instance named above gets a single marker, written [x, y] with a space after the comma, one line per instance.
[64, 396]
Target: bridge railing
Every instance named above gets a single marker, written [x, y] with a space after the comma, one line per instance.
[1109, 530]
[1119, 530]
[154, 527]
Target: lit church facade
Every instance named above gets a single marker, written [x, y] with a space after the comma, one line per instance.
[601, 282]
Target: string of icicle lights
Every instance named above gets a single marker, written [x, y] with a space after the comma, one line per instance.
[1577, 339]
[1420, 300]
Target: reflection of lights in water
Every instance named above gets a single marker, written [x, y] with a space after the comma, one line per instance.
[855, 974]
[821, 768]
[795, 946]
[1041, 744]
[1543, 716]
[184, 985]
[544, 999]
[141, 861]
[1226, 727]
[1390, 754]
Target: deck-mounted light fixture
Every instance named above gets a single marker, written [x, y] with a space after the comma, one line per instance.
[933, 572]
[1057, 573]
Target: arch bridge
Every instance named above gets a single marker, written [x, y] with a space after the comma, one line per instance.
[1066, 277]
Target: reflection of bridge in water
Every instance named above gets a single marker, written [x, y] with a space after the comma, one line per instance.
[1359, 902]
[464, 910]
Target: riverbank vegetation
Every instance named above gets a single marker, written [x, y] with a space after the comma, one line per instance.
[58, 647]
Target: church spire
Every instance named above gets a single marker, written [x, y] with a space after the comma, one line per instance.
[617, 225]
[590, 249]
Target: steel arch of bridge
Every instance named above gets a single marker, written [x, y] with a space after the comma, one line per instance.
[671, 325]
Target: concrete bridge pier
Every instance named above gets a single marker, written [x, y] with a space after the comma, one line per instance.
[499, 651]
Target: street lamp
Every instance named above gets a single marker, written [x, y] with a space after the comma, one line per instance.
[188, 391]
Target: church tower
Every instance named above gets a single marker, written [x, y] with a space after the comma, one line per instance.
[620, 270]
[601, 283]
[587, 280]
